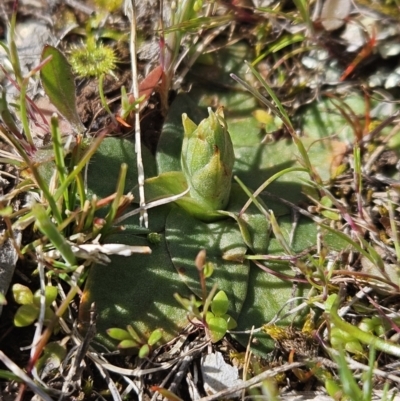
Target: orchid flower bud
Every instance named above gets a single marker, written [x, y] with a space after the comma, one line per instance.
[207, 160]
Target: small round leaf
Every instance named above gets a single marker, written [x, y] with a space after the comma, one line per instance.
[50, 294]
[232, 324]
[220, 304]
[218, 327]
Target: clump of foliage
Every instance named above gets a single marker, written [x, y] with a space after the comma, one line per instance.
[29, 310]
[130, 339]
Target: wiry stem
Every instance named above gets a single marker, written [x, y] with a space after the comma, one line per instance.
[130, 10]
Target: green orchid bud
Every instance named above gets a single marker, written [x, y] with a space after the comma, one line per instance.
[207, 160]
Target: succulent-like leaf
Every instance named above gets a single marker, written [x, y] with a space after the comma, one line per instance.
[50, 294]
[155, 337]
[26, 315]
[133, 334]
[124, 344]
[144, 351]
[118, 334]
[22, 294]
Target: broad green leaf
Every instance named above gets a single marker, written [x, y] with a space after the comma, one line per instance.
[267, 293]
[186, 236]
[174, 183]
[103, 171]
[253, 225]
[322, 119]
[216, 74]
[265, 297]
[58, 83]
[305, 235]
[136, 291]
[170, 143]
[105, 165]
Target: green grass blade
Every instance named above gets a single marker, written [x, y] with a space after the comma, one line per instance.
[116, 202]
[38, 178]
[349, 385]
[81, 165]
[363, 336]
[59, 154]
[48, 228]
[268, 182]
[283, 42]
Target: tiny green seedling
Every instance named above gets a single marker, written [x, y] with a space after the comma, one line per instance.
[29, 310]
[128, 106]
[216, 320]
[130, 339]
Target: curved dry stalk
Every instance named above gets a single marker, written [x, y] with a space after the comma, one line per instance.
[130, 11]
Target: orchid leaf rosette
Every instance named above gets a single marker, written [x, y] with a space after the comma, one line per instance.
[200, 169]
[207, 160]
